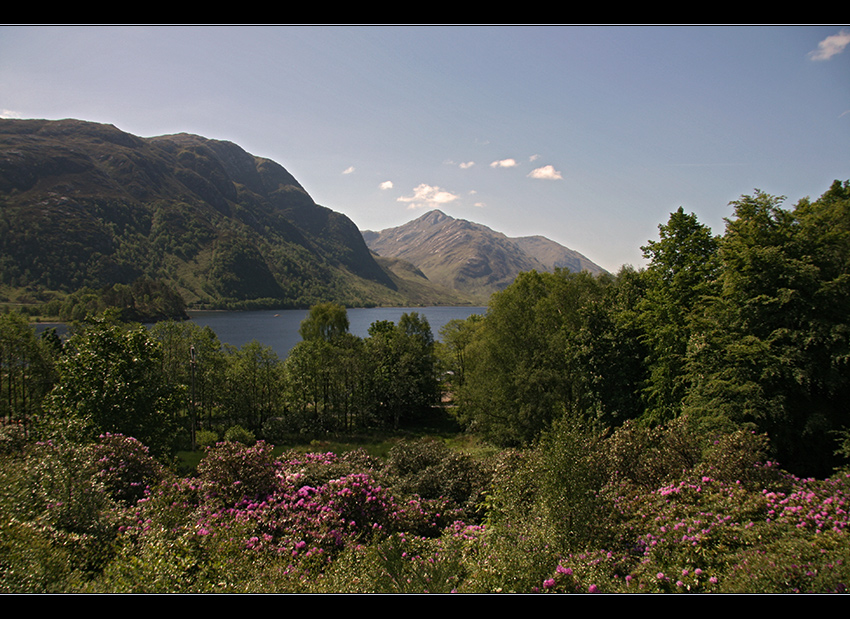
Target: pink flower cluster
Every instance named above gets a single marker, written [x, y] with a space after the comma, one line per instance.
[814, 505]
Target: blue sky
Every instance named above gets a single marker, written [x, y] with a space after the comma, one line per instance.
[588, 135]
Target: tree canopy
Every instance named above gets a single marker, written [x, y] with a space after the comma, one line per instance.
[325, 321]
[110, 380]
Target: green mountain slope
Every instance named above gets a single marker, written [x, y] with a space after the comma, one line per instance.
[87, 205]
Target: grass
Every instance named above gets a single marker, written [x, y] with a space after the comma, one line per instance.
[377, 443]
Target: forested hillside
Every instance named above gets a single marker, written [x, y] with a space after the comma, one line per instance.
[86, 205]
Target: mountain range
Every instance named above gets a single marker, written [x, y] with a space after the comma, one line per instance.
[86, 205]
[470, 257]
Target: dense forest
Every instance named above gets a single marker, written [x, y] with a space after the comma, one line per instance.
[683, 427]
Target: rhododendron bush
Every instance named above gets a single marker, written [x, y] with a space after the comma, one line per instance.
[575, 514]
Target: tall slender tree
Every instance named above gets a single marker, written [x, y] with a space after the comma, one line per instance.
[682, 271]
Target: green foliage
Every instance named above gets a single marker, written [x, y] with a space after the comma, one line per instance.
[205, 438]
[30, 561]
[327, 383]
[337, 381]
[110, 381]
[238, 434]
[194, 363]
[683, 269]
[651, 456]
[796, 564]
[570, 476]
[611, 352]
[402, 372]
[230, 472]
[240, 272]
[428, 469]
[326, 321]
[526, 369]
[26, 370]
[254, 384]
[397, 564]
[456, 338]
[775, 343]
[145, 300]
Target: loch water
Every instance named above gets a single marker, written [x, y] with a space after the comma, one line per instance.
[279, 328]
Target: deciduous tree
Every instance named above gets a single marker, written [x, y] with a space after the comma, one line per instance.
[683, 270]
[776, 354]
[110, 380]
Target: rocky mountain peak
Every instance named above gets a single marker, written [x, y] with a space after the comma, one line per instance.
[471, 257]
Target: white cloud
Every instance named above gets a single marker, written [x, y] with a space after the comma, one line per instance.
[9, 114]
[427, 196]
[547, 172]
[466, 165]
[348, 170]
[831, 46]
[386, 185]
[504, 163]
[534, 158]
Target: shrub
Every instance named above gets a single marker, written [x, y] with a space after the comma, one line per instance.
[205, 438]
[13, 438]
[238, 434]
[430, 470]
[30, 561]
[124, 467]
[649, 456]
[793, 564]
[231, 472]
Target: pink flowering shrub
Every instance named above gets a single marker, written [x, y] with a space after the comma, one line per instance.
[812, 505]
[700, 534]
[429, 470]
[230, 472]
[124, 466]
[568, 516]
[279, 515]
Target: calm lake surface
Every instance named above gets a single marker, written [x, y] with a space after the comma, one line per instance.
[279, 328]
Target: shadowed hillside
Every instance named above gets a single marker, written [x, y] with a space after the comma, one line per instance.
[88, 205]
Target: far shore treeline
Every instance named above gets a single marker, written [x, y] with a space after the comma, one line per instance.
[646, 430]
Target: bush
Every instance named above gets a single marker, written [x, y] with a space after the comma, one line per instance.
[231, 472]
[238, 434]
[30, 562]
[13, 438]
[793, 564]
[124, 467]
[430, 470]
[205, 438]
[650, 456]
